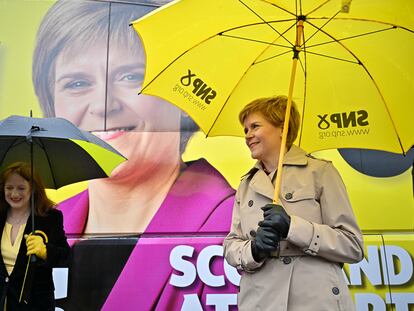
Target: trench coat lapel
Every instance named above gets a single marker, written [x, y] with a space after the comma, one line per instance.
[263, 184]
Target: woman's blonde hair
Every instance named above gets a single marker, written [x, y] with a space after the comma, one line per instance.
[274, 109]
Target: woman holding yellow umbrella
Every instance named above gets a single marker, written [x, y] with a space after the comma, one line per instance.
[291, 252]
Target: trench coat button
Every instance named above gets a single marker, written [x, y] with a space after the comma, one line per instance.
[288, 196]
[6, 279]
[250, 203]
[287, 260]
[252, 233]
[335, 290]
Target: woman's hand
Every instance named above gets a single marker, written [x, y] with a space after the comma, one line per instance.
[275, 217]
[265, 242]
[36, 245]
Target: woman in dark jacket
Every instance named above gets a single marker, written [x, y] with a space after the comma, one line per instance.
[24, 286]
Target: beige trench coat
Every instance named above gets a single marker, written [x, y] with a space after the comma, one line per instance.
[305, 274]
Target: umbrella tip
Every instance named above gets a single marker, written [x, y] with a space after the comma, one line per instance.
[345, 6]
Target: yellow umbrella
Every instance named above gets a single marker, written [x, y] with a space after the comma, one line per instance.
[345, 63]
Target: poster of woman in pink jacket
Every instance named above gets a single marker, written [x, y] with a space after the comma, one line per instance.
[88, 65]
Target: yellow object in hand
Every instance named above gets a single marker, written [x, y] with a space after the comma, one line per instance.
[36, 245]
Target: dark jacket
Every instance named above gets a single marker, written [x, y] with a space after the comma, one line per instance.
[41, 292]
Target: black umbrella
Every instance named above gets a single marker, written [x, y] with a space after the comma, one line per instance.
[59, 151]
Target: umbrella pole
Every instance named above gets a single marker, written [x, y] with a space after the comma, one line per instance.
[30, 140]
[28, 275]
[32, 201]
[32, 186]
[299, 32]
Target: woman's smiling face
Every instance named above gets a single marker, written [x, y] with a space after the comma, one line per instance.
[17, 192]
[262, 137]
[96, 99]
[141, 127]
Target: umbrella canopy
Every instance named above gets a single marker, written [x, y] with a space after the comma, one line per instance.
[60, 152]
[354, 78]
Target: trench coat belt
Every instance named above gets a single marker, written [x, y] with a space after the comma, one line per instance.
[287, 249]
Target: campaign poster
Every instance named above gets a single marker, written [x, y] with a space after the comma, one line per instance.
[150, 236]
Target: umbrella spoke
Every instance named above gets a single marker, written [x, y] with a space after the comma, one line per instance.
[318, 29]
[269, 44]
[303, 64]
[318, 7]
[358, 61]
[256, 40]
[267, 22]
[335, 58]
[285, 10]
[5, 149]
[304, 48]
[350, 37]
[386, 108]
[17, 142]
[271, 57]
[49, 162]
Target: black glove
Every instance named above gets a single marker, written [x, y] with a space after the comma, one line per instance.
[275, 217]
[265, 242]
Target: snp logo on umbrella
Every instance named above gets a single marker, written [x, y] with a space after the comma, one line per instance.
[343, 124]
[201, 93]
